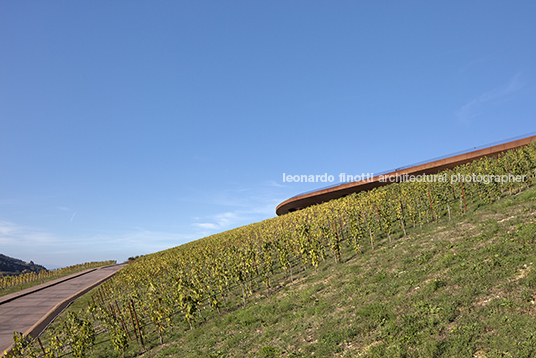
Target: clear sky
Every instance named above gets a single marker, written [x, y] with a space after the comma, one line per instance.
[129, 127]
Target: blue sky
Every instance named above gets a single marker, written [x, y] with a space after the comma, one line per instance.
[129, 127]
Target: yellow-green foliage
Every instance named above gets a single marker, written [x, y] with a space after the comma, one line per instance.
[199, 274]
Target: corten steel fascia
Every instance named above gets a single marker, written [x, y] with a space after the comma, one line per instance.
[324, 195]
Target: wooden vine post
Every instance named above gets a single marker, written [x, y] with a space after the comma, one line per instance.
[463, 195]
[430, 201]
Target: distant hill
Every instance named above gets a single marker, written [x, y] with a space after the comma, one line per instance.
[12, 266]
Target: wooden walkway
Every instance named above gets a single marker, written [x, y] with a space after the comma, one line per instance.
[31, 310]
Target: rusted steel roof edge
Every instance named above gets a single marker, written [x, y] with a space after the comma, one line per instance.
[436, 166]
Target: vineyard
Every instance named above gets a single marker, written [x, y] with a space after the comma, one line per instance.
[33, 277]
[174, 288]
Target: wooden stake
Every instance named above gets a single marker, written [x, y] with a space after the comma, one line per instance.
[122, 320]
[133, 324]
[402, 217]
[338, 253]
[403, 227]
[463, 195]
[430, 201]
[138, 324]
[41, 344]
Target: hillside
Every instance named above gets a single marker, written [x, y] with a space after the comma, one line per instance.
[460, 289]
[464, 288]
[12, 266]
[438, 268]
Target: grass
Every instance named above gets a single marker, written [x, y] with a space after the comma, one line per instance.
[465, 288]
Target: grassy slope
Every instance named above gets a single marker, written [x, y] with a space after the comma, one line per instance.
[449, 289]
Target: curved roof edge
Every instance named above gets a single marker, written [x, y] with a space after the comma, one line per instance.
[319, 196]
